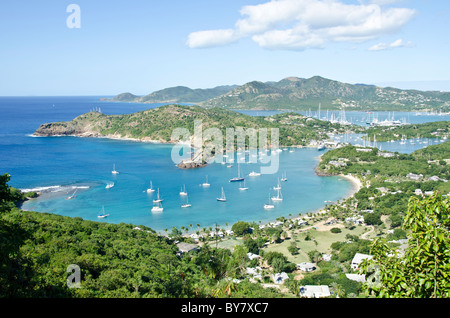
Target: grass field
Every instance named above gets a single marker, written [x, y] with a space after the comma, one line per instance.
[320, 241]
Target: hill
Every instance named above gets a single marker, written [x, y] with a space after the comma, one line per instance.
[178, 94]
[294, 93]
[303, 94]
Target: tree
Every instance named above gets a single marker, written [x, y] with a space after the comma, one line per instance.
[241, 228]
[424, 270]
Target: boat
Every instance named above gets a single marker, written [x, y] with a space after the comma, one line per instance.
[279, 197]
[284, 178]
[114, 171]
[109, 185]
[222, 197]
[243, 188]
[278, 186]
[183, 191]
[321, 147]
[158, 207]
[187, 204]
[254, 174]
[73, 196]
[102, 214]
[150, 190]
[269, 205]
[158, 199]
[238, 178]
[206, 184]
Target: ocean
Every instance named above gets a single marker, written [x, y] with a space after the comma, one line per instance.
[61, 167]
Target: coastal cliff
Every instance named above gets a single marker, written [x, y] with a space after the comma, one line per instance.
[158, 125]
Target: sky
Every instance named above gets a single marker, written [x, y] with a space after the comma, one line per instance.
[81, 47]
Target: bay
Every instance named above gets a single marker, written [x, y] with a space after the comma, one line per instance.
[65, 166]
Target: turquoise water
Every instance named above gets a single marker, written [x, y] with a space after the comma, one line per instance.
[62, 166]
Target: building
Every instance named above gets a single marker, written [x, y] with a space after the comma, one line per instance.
[279, 278]
[356, 277]
[313, 291]
[306, 267]
[358, 258]
[186, 248]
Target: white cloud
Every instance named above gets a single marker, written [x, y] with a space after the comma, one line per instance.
[386, 46]
[301, 24]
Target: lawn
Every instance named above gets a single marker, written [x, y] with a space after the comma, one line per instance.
[320, 241]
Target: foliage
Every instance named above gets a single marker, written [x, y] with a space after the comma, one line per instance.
[423, 271]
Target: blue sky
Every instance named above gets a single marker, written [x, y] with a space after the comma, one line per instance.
[142, 46]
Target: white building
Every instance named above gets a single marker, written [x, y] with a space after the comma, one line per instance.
[306, 267]
[279, 278]
[312, 291]
[358, 258]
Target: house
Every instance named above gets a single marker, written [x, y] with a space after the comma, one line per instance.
[386, 154]
[326, 257]
[252, 256]
[255, 272]
[306, 267]
[413, 176]
[356, 277]
[186, 248]
[314, 291]
[358, 258]
[279, 278]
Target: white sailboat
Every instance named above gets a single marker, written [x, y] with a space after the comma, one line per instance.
[206, 184]
[150, 190]
[269, 205]
[158, 207]
[158, 199]
[109, 185]
[278, 186]
[243, 188]
[183, 191]
[284, 178]
[279, 196]
[238, 178]
[73, 196]
[114, 171]
[254, 174]
[222, 197]
[187, 204]
[102, 214]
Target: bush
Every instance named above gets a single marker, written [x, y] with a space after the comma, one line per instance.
[335, 230]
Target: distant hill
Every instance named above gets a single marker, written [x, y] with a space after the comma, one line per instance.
[178, 94]
[293, 93]
[303, 94]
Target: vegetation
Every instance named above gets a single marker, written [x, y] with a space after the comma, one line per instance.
[158, 125]
[423, 270]
[425, 130]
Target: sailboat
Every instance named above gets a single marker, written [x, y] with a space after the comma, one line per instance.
[284, 178]
[206, 184]
[222, 197]
[102, 214]
[238, 178]
[158, 207]
[73, 196]
[254, 174]
[279, 197]
[114, 171]
[187, 204]
[150, 190]
[269, 205]
[243, 188]
[183, 190]
[278, 186]
[158, 199]
[109, 185]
